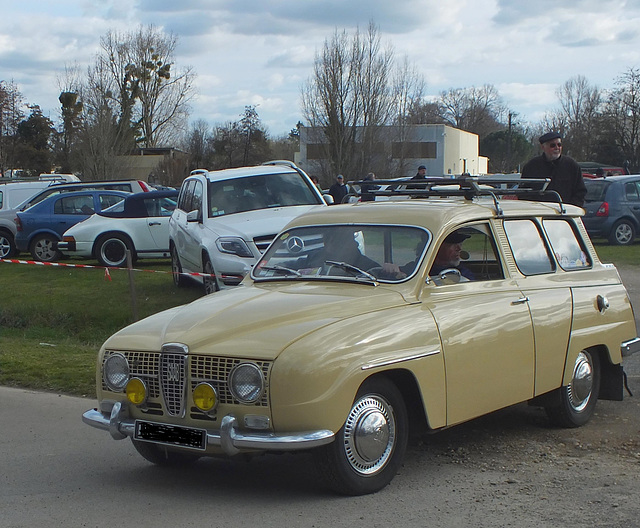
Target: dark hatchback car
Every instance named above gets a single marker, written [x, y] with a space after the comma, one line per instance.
[612, 208]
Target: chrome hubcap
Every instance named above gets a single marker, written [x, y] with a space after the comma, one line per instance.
[369, 435]
[582, 382]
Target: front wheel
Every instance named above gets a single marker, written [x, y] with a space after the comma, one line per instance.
[176, 269]
[43, 248]
[162, 456]
[370, 446]
[575, 403]
[210, 280]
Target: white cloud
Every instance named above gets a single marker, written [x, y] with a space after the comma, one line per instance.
[253, 52]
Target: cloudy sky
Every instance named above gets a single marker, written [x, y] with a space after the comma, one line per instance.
[260, 52]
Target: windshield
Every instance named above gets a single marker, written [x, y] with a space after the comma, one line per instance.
[259, 192]
[346, 252]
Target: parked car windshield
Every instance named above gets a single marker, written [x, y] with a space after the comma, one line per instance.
[259, 192]
[345, 252]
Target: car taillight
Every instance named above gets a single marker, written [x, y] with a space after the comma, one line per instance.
[18, 223]
[603, 210]
[144, 186]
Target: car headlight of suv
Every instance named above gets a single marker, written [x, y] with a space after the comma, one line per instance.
[116, 372]
[246, 383]
[235, 246]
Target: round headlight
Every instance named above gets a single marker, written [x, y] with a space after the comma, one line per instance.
[205, 397]
[246, 383]
[136, 391]
[116, 372]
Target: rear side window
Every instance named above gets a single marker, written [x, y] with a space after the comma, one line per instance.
[566, 246]
[631, 191]
[596, 190]
[528, 247]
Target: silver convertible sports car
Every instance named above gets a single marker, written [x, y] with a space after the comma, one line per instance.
[139, 223]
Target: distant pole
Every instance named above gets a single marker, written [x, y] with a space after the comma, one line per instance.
[132, 287]
[509, 145]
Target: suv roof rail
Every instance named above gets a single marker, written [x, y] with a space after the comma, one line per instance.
[198, 171]
[468, 187]
[288, 163]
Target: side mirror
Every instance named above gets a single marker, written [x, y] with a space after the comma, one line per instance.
[194, 216]
[328, 199]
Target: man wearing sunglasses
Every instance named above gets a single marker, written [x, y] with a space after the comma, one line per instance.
[564, 172]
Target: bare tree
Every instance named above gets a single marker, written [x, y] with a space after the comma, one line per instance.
[12, 112]
[105, 135]
[477, 110]
[579, 111]
[349, 97]
[622, 117]
[149, 90]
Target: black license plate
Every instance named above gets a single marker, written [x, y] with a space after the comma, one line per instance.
[171, 434]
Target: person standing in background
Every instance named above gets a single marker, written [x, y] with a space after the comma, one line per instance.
[339, 189]
[564, 172]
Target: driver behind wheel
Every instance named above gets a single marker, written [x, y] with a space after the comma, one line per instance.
[450, 255]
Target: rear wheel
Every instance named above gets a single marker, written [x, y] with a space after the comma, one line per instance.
[211, 281]
[623, 233]
[111, 250]
[43, 248]
[162, 456]
[368, 450]
[7, 245]
[575, 403]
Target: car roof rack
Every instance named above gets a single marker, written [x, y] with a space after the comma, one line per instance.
[469, 187]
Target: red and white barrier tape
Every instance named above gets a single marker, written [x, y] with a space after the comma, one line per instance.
[106, 269]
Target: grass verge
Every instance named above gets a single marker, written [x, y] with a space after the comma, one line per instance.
[54, 319]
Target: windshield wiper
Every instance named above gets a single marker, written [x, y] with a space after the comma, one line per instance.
[354, 269]
[282, 269]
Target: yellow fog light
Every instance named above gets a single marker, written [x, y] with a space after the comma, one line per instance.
[205, 397]
[136, 391]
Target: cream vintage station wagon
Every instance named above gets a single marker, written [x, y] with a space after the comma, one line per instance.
[365, 322]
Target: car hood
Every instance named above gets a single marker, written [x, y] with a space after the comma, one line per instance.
[251, 224]
[257, 321]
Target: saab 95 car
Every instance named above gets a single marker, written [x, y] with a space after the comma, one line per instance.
[364, 322]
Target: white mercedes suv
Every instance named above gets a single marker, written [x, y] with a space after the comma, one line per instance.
[226, 219]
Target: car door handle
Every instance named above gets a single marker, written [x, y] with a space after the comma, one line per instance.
[154, 223]
[521, 300]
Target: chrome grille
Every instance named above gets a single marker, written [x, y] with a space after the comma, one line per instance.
[173, 380]
[262, 242]
[215, 370]
[153, 368]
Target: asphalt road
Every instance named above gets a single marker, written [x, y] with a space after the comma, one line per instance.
[501, 470]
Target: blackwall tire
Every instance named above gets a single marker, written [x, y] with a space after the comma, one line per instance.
[575, 403]
[370, 446]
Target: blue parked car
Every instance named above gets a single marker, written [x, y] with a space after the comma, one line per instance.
[612, 208]
[40, 228]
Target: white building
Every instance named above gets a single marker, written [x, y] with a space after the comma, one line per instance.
[443, 150]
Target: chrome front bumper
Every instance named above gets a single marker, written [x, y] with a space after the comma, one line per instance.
[231, 440]
[630, 347]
